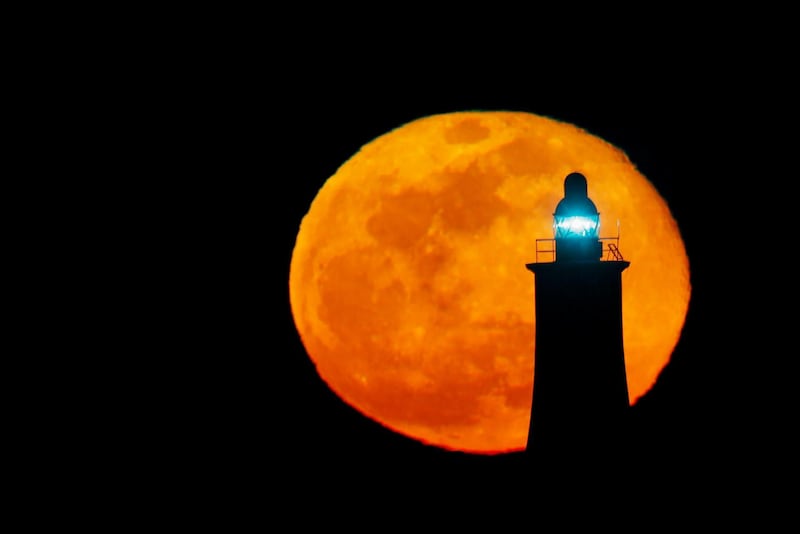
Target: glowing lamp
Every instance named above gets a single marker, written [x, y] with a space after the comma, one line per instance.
[576, 223]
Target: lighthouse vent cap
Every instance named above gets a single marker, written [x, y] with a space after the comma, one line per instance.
[576, 200]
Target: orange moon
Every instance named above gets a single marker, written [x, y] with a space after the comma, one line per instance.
[408, 282]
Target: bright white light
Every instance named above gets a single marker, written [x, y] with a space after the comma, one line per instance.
[576, 225]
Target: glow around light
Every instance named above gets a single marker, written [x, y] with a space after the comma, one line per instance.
[576, 226]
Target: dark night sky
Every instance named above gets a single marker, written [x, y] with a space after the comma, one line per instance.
[218, 129]
[690, 424]
[701, 427]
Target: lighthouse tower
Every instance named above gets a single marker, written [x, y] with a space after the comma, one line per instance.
[580, 393]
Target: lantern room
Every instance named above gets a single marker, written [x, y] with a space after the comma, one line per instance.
[576, 223]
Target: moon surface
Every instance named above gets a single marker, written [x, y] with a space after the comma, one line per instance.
[408, 282]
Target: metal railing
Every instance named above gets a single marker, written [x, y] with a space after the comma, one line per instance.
[551, 251]
[610, 249]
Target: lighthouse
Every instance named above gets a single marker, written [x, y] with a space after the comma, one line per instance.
[580, 399]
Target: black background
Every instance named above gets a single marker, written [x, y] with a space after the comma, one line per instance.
[694, 429]
[269, 425]
[189, 143]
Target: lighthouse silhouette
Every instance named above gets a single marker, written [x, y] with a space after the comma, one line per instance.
[580, 401]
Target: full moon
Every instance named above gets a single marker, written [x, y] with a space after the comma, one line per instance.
[408, 282]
